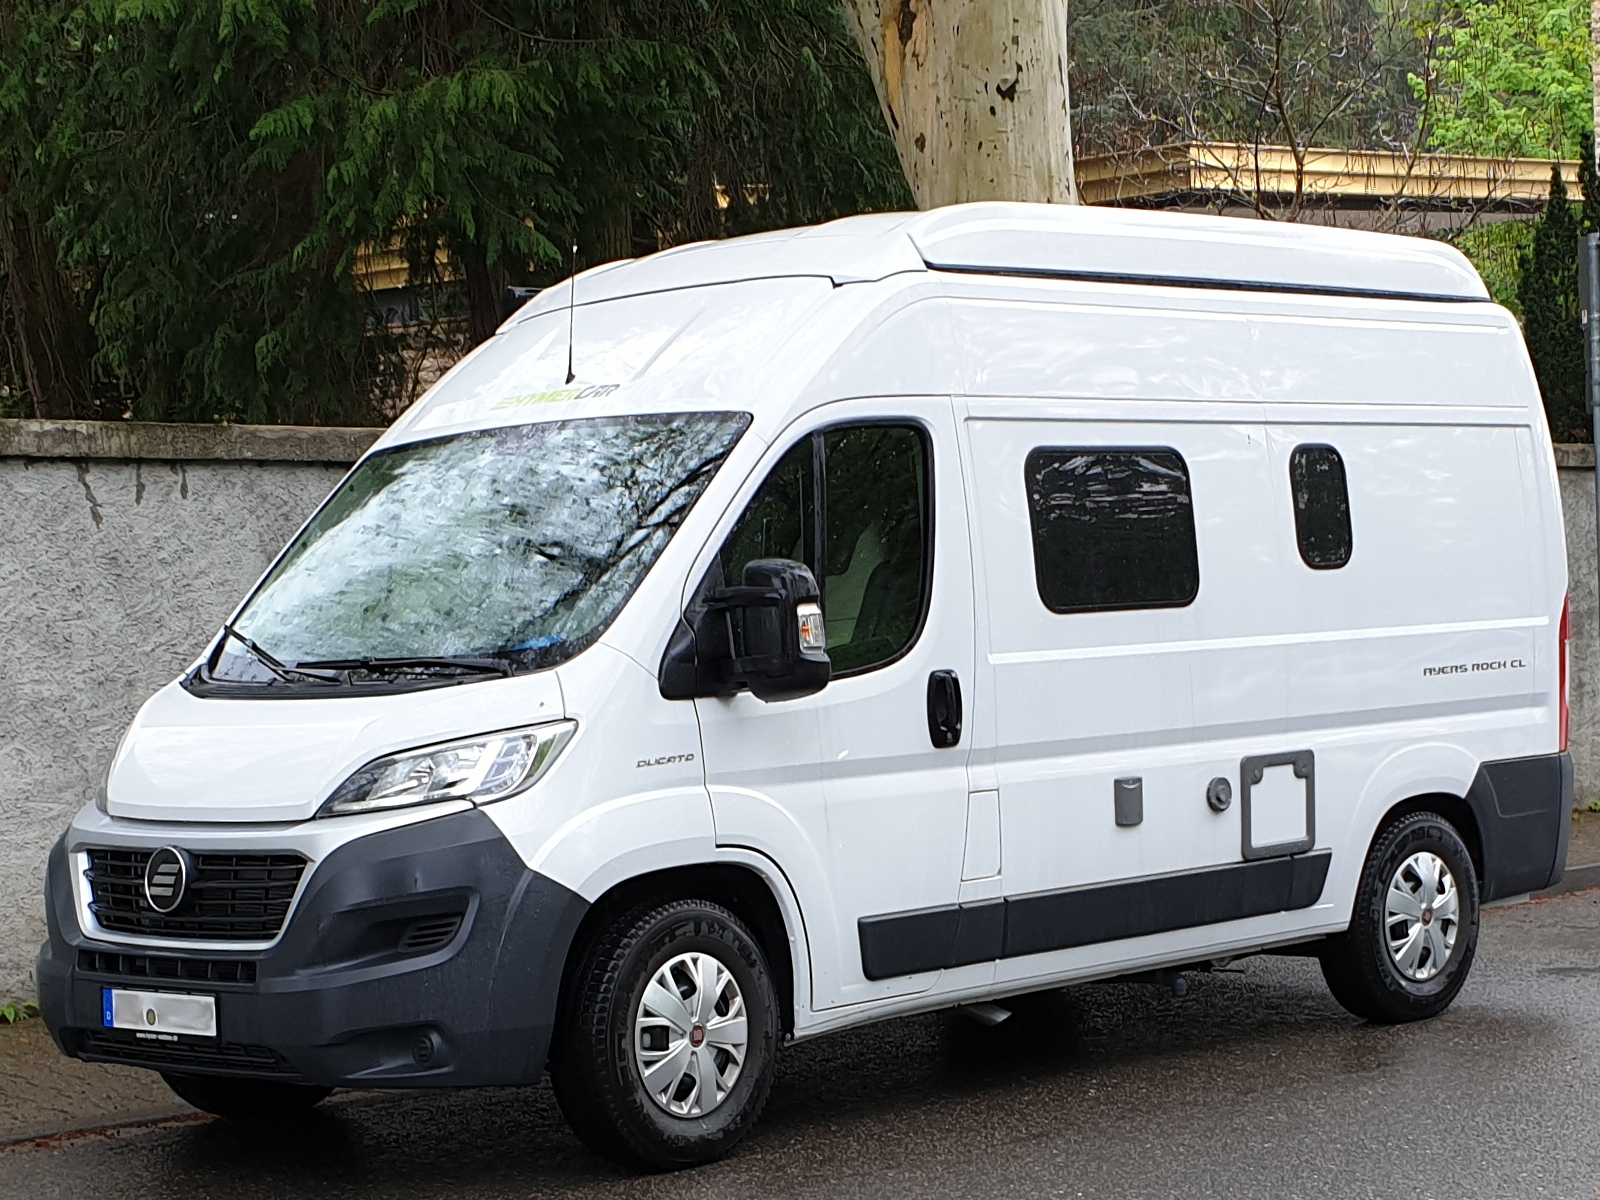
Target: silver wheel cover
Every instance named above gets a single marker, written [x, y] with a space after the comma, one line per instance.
[690, 1035]
[1422, 915]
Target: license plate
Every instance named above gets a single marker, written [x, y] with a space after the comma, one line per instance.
[161, 1016]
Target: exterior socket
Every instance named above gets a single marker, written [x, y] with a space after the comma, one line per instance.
[1219, 794]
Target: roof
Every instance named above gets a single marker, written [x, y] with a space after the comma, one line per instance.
[947, 301]
[1342, 178]
[1103, 244]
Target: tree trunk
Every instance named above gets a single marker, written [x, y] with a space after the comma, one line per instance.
[975, 94]
[49, 328]
[485, 290]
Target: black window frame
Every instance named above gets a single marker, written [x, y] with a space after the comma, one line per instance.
[1295, 456]
[1033, 537]
[819, 534]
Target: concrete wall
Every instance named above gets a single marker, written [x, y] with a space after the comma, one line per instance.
[1576, 472]
[121, 549]
[123, 546]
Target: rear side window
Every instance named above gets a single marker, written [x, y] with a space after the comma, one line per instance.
[1112, 529]
[1321, 506]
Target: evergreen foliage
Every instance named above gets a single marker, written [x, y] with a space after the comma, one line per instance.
[203, 173]
[1548, 296]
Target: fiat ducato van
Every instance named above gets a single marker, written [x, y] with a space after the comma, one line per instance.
[768, 637]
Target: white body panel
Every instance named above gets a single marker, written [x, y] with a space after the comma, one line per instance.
[838, 801]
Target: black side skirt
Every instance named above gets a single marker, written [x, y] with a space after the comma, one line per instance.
[959, 935]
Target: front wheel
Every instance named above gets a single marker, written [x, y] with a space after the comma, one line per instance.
[1414, 931]
[246, 1099]
[667, 1036]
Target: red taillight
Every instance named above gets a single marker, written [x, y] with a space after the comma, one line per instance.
[1566, 653]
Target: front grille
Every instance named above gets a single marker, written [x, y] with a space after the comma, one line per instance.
[161, 966]
[232, 897]
[103, 1046]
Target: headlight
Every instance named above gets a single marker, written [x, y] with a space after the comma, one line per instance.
[479, 769]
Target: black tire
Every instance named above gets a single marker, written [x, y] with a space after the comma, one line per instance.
[1360, 970]
[596, 1076]
[246, 1099]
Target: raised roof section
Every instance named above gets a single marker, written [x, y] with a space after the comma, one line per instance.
[854, 250]
[1063, 241]
[1197, 251]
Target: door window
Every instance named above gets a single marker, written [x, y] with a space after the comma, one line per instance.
[779, 522]
[1112, 529]
[852, 504]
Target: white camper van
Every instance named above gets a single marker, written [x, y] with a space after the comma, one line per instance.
[772, 636]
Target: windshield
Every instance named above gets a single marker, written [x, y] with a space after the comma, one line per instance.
[483, 553]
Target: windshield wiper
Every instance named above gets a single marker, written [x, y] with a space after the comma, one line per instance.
[282, 670]
[466, 664]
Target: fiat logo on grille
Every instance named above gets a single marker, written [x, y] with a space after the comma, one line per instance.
[166, 879]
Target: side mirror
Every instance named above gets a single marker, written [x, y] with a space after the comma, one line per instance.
[779, 646]
[766, 635]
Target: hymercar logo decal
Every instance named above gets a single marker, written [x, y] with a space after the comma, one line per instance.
[166, 879]
[555, 396]
[665, 759]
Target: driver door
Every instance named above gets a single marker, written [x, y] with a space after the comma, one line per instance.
[847, 789]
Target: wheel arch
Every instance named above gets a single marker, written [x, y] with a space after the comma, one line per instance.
[732, 882]
[1430, 776]
[1453, 809]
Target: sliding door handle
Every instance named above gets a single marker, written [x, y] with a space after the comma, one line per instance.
[944, 709]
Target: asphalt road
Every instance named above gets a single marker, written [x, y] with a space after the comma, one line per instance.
[1256, 1084]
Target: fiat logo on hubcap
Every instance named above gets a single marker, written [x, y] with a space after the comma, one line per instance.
[166, 879]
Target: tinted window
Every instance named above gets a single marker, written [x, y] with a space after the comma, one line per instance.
[875, 541]
[1321, 506]
[866, 542]
[779, 522]
[1112, 529]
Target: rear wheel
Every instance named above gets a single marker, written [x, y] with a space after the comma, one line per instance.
[1414, 931]
[665, 1045]
[246, 1099]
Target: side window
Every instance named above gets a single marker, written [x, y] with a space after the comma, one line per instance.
[1321, 506]
[1112, 529]
[875, 580]
[866, 541]
[780, 520]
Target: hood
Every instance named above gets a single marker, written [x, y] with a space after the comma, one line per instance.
[230, 760]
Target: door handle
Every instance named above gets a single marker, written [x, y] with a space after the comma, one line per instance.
[944, 709]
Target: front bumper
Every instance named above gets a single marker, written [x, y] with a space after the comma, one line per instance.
[343, 999]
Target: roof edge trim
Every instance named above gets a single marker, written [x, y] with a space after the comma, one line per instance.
[1193, 281]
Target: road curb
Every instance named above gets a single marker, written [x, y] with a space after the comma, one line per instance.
[55, 1138]
[1576, 879]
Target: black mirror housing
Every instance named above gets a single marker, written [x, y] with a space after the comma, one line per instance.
[765, 636]
[780, 651]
